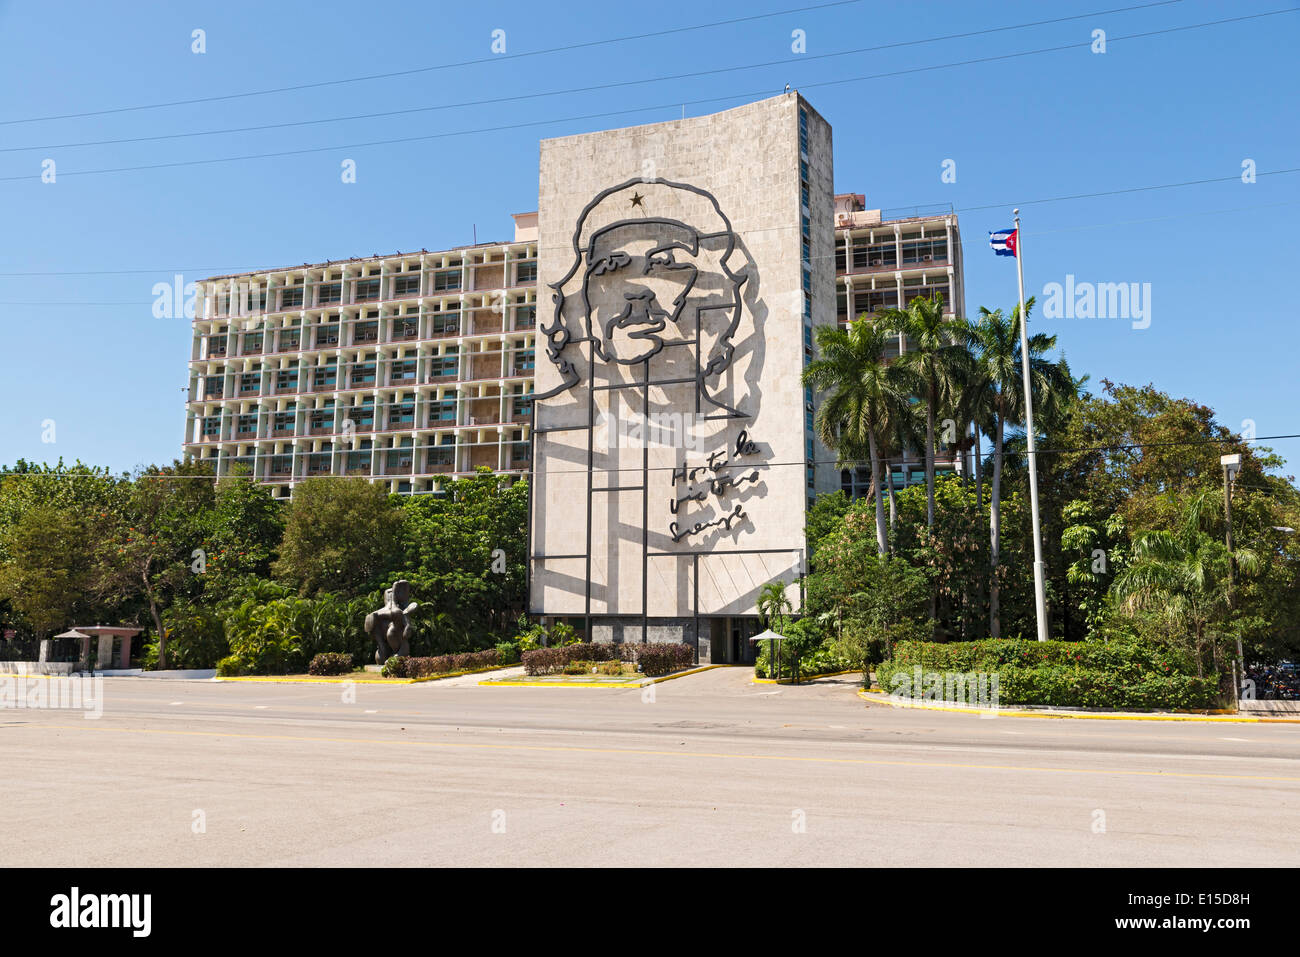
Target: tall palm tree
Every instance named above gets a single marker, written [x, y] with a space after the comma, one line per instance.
[997, 343]
[1184, 575]
[936, 349]
[867, 395]
[908, 432]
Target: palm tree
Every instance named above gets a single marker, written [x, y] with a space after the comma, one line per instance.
[868, 395]
[773, 605]
[936, 349]
[997, 341]
[1184, 575]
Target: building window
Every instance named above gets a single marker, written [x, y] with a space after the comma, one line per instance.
[526, 273]
[406, 286]
[446, 323]
[443, 367]
[522, 407]
[522, 362]
[327, 335]
[442, 411]
[331, 292]
[291, 298]
[926, 250]
[365, 332]
[446, 279]
[400, 415]
[366, 290]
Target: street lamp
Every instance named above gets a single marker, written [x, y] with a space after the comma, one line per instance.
[1231, 466]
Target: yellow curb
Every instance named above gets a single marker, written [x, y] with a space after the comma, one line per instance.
[286, 680]
[1125, 716]
[637, 683]
[14, 674]
[458, 674]
[787, 681]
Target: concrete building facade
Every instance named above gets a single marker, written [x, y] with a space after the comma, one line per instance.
[687, 264]
[407, 369]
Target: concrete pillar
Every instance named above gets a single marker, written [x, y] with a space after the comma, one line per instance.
[105, 651]
[45, 650]
[124, 658]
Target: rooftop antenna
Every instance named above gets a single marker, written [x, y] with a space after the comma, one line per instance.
[476, 234]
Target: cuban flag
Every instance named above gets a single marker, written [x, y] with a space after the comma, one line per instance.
[1004, 241]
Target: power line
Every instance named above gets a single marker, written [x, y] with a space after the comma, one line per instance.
[965, 243]
[802, 58]
[496, 58]
[633, 110]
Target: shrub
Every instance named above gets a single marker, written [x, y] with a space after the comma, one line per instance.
[230, 666]
[1091, 674]
[394, 667]
[653, 659]
[660, 659]
[544, 661]
[507, 653]
[330, 663]
[446, 664]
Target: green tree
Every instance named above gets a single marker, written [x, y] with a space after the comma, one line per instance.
[246, 528]
[1183, 576]
[1099, 549]
[47, 572]
[147, 551]
[937, 352]
[1001, 377]
[867, 395]
[466, 555]
[773, 605]
[342, 534]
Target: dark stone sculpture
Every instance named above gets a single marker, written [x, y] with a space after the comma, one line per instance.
[390, 626]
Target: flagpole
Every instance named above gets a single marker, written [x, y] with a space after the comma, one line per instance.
[1040, 588]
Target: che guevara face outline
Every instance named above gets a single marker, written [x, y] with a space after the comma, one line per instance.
[629, 338]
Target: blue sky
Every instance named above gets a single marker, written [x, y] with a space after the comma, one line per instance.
[86, 351]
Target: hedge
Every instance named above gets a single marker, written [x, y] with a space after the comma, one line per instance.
[1090, 674]
[398, 667]
[330, 663]
[653, 659]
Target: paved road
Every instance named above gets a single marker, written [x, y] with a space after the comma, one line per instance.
[714, 770]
